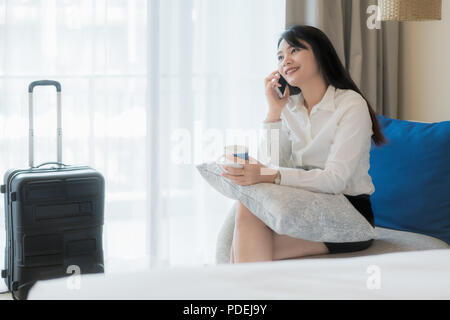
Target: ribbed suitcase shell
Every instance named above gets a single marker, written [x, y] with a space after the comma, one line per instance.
[53, 220]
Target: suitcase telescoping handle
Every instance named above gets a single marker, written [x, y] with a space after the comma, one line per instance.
[31, 125]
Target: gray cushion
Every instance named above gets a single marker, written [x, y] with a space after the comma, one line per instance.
[295, 212]
[388, 241]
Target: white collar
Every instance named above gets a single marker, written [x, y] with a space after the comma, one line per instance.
[297, 101]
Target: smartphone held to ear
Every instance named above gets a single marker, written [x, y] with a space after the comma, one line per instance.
[280, 90]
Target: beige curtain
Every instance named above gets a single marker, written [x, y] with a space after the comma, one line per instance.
[370, 54]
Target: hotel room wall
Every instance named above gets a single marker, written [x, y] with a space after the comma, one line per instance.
[424, 75]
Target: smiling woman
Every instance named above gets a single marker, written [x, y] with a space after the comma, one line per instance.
[302, 60]
[326, 125]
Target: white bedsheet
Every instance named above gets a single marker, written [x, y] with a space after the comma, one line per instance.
[403, 275]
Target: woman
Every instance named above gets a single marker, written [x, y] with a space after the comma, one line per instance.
[324, 127]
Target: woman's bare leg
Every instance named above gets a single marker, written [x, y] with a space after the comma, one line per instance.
[232, 252]
[286, 247]
[253, 240]
[257, 242]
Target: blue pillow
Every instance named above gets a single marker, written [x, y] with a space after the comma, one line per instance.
[411, 175]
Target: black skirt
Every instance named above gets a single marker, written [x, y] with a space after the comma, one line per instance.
[363, 205]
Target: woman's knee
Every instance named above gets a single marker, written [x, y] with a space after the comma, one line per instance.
[242, 214]
[244, 217]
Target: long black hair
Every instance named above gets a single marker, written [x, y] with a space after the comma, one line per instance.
[329, 65]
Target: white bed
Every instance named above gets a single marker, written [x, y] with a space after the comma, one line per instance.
[420, 274]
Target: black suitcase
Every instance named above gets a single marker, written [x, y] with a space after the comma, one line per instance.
[53, 217]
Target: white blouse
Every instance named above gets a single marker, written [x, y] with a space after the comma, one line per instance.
[327, 151]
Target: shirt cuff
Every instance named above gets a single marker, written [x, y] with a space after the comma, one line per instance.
[272, 125]
[288, 177]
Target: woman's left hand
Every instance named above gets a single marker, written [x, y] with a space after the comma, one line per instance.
[253, 172]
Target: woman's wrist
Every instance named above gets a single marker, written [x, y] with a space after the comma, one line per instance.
[270, 175]
[273, 117]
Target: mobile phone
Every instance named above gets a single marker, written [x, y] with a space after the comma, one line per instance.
[280, 90]
[292, 90]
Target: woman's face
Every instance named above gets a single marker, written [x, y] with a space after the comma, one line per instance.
[296, 65]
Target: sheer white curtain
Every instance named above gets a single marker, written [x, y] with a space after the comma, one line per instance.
[97, 50]
[149, 89]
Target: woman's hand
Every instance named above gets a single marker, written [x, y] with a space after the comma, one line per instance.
[275, 103]
[253, 172]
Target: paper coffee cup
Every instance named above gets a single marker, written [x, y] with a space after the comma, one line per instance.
[235, 151]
